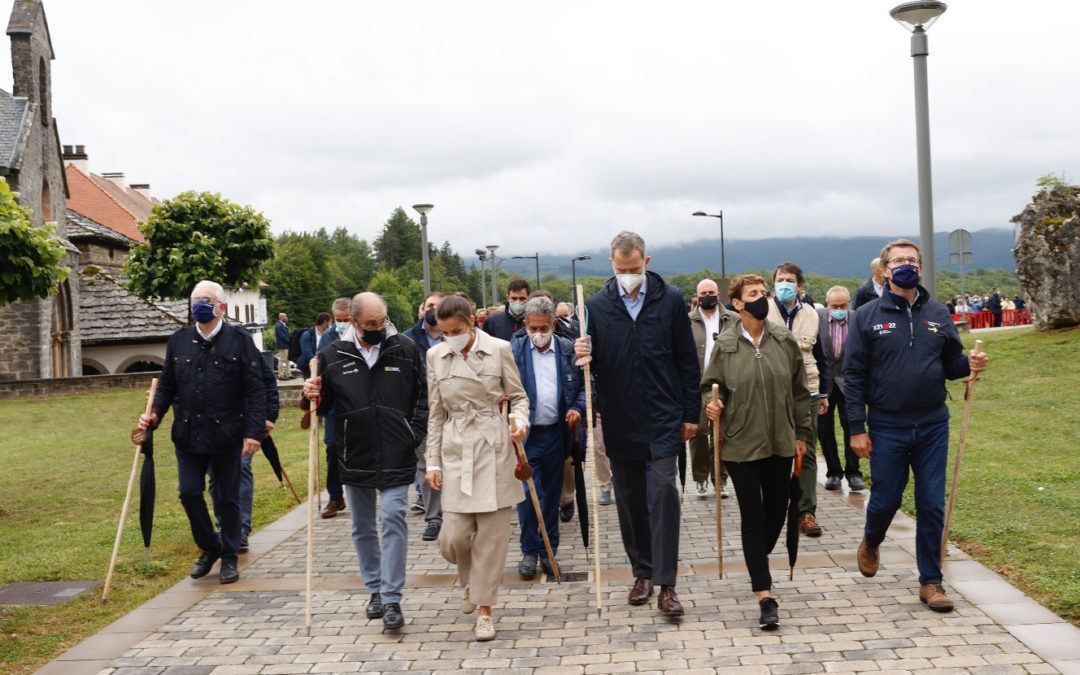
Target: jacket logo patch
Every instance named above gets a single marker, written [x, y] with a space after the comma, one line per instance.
[350, 372]
[884, 328]
[392, 369]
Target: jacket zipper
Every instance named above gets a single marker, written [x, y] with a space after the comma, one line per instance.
[764, 391]
[345, 443]
[911, 328]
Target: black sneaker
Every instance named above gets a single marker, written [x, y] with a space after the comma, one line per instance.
[375, 609]
[832, 483]
[204, 564]
[770, 619]
[392, 617]
[527, 567]
[431, 532]
[566, 512]
[229, 574]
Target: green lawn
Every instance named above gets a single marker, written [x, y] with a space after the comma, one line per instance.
[66, 464]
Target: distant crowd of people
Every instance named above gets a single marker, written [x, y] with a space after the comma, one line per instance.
[441, 406]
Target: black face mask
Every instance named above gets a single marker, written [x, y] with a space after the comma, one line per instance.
[374, 337]
[759, 309]
[429, 318]
[708, 302]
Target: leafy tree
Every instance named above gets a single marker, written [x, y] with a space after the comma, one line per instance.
[196, 236]
[29, 256]
[399, 241]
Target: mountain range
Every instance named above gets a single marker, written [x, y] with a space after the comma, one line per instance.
[829, 256]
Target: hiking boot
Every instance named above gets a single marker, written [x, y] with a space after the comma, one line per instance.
[527, 567]
[933, 596]
[809, 526]
[868, 559]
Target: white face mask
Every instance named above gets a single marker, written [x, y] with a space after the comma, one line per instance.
[540, 340]
[517, 307]
[458, 342]
[630, 281]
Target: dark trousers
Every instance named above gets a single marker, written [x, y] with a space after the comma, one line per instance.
[647, 501]
[545, 452]
[192, 468]
[925, 449]
[762, 489]
[702, 455]
[826, 433]
[333, 477]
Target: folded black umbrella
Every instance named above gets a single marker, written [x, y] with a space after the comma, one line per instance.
[147, 492]
[792, 540]
[270, 450]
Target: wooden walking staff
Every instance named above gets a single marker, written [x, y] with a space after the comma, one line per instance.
[313, 454]
[717, 442]
[969, 395]
[524, 461]
[137, 437]
[591, 452]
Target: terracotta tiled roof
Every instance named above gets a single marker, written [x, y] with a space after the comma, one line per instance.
[109, 313]
[107, 203]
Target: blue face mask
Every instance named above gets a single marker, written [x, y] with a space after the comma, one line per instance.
[341, 326]
[203, 312]
[838, 314]
[906, 276]
[785, 291]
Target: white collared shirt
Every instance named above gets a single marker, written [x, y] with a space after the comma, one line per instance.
[546, 376]
[217, 329]
[370, 354]
[712, 327]
[877, 287]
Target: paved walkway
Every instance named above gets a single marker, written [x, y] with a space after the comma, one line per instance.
[832, 618]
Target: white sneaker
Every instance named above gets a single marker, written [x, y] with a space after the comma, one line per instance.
[724, 494]
[485, 628]
[702, 489]
[467, 605]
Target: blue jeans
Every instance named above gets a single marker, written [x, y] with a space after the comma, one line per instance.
[382, 567]
[333, 475]
[245, 495]
[926, 450]
[547, 457]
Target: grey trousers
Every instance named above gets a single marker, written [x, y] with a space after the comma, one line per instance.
[382, 565]
[432, 498]
[650, 532]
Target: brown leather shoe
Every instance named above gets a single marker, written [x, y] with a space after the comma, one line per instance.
[669, 602]
[809, 526]
[868, 559]
[933, 595]
[641, 591]
[332, 508]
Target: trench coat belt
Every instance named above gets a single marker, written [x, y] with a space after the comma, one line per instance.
[459, 419]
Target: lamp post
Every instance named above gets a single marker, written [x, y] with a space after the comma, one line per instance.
[723, 266]
[537, 259]
[494, 275]
[482, 254]
[918, 17]
[573, 275]
[423, 209]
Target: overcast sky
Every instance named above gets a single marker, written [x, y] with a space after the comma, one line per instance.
[550, 126]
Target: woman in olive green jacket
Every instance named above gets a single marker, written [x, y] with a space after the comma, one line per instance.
[765, 405]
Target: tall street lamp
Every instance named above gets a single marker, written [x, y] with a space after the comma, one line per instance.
[537, 259]
[918, 17]
[423, 209]
[573, 275]
[723, 266]
[482, 254]
[494, 275]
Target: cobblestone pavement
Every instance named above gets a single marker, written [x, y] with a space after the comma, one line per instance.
[832, 618]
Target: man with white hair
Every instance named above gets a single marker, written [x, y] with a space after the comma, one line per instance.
[835, 319]
[212, 380]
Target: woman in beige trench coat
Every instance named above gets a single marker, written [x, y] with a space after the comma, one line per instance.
[469, 454]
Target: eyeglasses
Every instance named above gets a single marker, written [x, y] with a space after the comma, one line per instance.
[208, 300]
[374, 325]
[905, 261]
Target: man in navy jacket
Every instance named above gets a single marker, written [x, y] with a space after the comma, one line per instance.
[647, 378]
[900, 350]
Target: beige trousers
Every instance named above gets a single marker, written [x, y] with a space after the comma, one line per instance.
[477, 544]
[602, 466]
[283, 363]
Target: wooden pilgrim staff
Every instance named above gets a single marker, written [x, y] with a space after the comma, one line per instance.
[591, 451]
[313, 454]
[718, 440]
[969, 395]
[137, 437]
[527, 476]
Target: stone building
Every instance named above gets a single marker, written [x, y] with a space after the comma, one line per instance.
[40, 338]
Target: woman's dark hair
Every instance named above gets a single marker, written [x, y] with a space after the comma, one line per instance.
[455, 306]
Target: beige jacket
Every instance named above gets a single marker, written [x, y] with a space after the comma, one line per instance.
[468, 438]
[805, 330]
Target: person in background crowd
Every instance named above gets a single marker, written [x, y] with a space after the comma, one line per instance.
[834, 322]
[504, 324]
[787, 310]
[556, 404]
[377, 387]
[1018, 302]
[281, 343]
[993, 304]
[469, 454]
[872, 288]
[647, 378]
[899, 353]
[566, 317]
[426, 334]
[309, 341]
[213, 382]
[766, 406]
[340, 310]
[707, 321]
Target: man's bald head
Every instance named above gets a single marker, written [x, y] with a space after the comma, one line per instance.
[706, 285]
[367, 301]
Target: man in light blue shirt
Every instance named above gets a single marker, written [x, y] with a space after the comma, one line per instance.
[556, 403]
